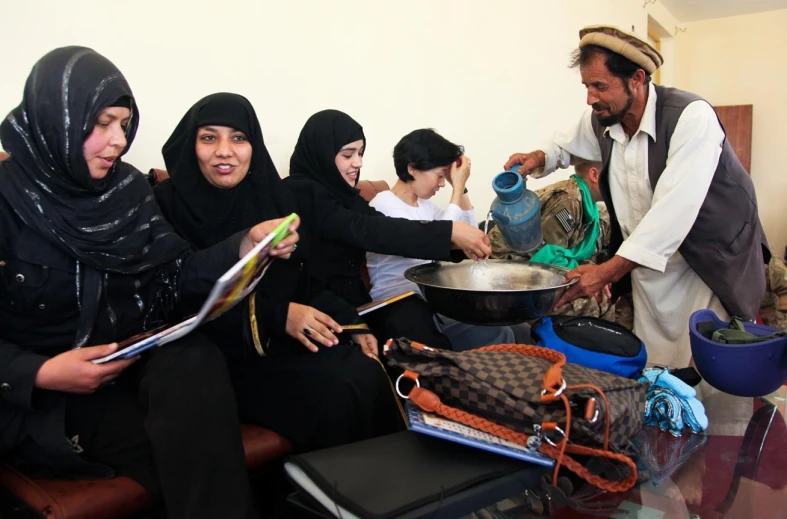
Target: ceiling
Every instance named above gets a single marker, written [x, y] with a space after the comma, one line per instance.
[693, 10]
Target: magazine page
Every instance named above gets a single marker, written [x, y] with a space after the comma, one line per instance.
[230, 289]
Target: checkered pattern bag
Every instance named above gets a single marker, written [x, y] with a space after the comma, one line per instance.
[521, 392]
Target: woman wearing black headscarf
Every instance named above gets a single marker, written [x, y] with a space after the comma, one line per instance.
[87, 259]
[221, 177]
[344, 227]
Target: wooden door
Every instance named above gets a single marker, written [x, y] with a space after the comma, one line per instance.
[655, 41]
[737, 120]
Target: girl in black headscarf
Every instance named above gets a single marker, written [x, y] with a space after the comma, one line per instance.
[344, 227]
[221, 177]
[86, 259]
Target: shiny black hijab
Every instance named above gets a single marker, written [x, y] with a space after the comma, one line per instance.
[201, 212]
[314, 158]
[112, 225]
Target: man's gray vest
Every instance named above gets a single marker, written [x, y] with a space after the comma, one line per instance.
[726, 246]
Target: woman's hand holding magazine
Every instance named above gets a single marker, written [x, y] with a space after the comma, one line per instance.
[259, 232]
[263, 242]
[73, 371]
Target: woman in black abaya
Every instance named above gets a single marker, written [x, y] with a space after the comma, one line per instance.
[86, 259]
[293, 371]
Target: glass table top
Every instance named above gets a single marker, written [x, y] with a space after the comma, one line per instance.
[736, 469]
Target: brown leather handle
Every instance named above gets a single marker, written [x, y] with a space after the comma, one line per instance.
[553, 387]
[553, 378]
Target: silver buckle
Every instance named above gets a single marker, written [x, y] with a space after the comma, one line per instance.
[542, 435]
[399, 392]
[559, 391]
[553, 444]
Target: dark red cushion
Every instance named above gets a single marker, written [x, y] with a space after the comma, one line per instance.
[119, 497]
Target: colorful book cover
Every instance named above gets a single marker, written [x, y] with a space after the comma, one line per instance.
[433, 425]
[230, 289]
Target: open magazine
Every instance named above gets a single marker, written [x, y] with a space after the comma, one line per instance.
[230, 289]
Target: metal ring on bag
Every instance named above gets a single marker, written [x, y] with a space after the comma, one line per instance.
[546, 438]
[559, 391]
[417, 384]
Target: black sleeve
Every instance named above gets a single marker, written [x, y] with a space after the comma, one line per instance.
[457, 256]
[271, 314]
[18, 371]
[18, 367]
[201, 269]
[340, 310]
[365, 228]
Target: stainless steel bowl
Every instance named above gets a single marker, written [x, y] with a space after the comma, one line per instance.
[499, 292]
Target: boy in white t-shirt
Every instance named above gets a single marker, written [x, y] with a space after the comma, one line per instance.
[424, 161]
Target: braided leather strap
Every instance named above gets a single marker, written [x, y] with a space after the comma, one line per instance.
[577, 468]
[430, 402]
[553, 387]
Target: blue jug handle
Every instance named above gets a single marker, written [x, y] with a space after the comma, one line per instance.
[515, 169]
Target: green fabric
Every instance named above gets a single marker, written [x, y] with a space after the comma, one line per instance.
[584, 250]
[737, 334]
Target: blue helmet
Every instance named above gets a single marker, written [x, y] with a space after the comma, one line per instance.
[754, 369]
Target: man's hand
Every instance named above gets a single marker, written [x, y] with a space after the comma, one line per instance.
[593, 279]
[527, 162]
[307, 324]
[72, 371]
[368, 344]
[258, 233]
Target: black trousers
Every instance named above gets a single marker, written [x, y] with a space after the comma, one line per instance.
[317, 400]
[411, 318]
[171, 424]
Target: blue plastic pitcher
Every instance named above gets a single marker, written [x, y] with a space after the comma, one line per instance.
[517, 212]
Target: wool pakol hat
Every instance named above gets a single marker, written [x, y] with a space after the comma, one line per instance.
[624, 43]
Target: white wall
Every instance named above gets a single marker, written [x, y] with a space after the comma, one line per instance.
[665, 29]
[491, 75]
[740, 60]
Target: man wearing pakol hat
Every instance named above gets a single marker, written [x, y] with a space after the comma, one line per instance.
[685, 230]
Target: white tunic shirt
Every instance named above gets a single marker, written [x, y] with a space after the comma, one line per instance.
[386, 273]
[665, 290]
